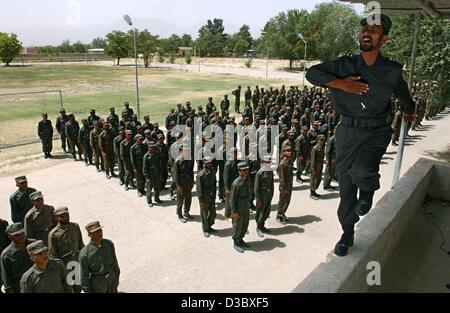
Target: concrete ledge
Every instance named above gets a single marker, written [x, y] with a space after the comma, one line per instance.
[381, 230]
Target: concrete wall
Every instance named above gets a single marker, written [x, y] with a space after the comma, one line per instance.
[379, 233]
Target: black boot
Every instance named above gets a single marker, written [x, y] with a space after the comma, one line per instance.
[364, 203]
[346, 241]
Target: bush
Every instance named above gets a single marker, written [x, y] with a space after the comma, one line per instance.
[248, 63]
[171, 59]
[188, 58]
[160, 58]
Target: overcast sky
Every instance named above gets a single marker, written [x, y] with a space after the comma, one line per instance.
[39, 22]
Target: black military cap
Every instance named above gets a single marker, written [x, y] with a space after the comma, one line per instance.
[21, 179]
[121, 128]
[111, 109]
[36, 195]
[378, 19]
[146, 116]
[287, 147]
[304, 128]
[62, 110]
[93, 227]
[321, 137]
[147, 131]
[92, 111]
[151, 144]
[172, 123]
[61, 210]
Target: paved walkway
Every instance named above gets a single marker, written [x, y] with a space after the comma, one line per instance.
[157, 253]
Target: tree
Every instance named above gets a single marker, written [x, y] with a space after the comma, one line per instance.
[65, 47]
[147, 45]
[10, 47]
[281, 35]
[186, 41]
[118, 45]
[332, 28]
[79, 47]
[99, 43]
[243, 41]
[212, 39]
[170, 45]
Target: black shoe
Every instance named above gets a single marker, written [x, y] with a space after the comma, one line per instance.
[206, 234]
[49, 155]
[222, 200]
[150, 205]
[159, 200]
[98, 170]
[45, 156]
[188, 216]
[127, 188]
[238, 247]
[328, 188]
[281, 220]
[364, 203]
[114, 174]
[252, 210]
[299, 180]
[173, 198]
[182, 219]
[86, 164]
[394, 143]
[212, 230]
[265, 230]
[259, 232]
[140, 194]
[121, 183]
[242, 243]
[341, 248]
[108, 176]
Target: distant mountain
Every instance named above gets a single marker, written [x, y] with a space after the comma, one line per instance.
[44, 35]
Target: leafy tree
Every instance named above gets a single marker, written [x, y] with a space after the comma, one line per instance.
[10, 47]
[79, 47]
[65, 47]
[186, 41]
[99, 43]
[332, 28]
[170, 45]
[118, 45]
[281, 35]
[212, 39]
[147, 45]
[243, 40]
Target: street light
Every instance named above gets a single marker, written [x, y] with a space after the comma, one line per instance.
[127, 19]
[304, 63]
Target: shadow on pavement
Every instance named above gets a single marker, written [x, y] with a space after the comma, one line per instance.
[303, 220]
[286, 230]
[267, 244]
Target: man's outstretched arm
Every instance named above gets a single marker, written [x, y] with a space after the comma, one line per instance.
[328, 75]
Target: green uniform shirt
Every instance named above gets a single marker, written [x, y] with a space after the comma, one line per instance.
[286, 174]
[240, 195]
[98, 264]
[264, 184]
[20, 204]
[14, 263]
[38, 223]
[182, 173]
[65, 242]
[206, 185]
[50, 280]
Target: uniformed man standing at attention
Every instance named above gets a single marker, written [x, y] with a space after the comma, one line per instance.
[286, 175]
[229, 175]
[40, 220]
[14, 260]
[72, 132]
[125, 156]
[237, 102]
[45, 133]
[264, 187]
[46, 275]
[94, 142]
[83, 139]
[239, 205]
[361, 88]
[137, 152]
[206, 193]
[183, 177]
[100, 270]
[65, 240]
[61, 128]
[152, 170]
[117, 141]
[20, 201]
[106, 143]
[317, 157]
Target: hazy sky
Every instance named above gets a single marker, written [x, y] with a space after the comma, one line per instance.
[47, 21]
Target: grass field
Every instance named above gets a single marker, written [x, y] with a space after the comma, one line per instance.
[101, 87]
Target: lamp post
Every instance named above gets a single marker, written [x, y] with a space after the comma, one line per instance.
[304, 63]
[127, 19]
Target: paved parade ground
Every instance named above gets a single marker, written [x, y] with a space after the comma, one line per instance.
[157, 253]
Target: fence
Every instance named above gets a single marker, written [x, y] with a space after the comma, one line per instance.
[20, 113]
[61, 57]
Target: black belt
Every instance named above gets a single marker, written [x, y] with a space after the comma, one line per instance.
[362, 123]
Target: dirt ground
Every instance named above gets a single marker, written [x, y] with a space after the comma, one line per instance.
[157, 253]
